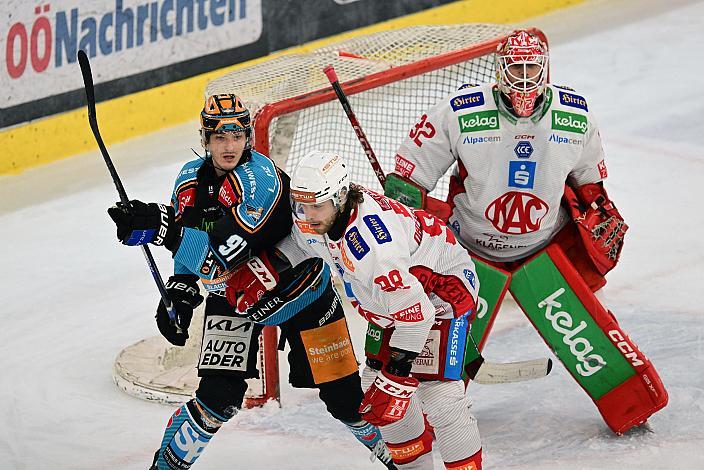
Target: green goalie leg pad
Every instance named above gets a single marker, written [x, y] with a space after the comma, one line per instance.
[587, 339]
[493, 284]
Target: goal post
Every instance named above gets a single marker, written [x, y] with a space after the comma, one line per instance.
[391, 78]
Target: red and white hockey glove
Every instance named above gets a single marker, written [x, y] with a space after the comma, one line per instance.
[251, 281]
[387, 399]
[600, 226]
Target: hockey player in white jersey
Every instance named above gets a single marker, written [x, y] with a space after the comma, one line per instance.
[528, 182]
[414, 283]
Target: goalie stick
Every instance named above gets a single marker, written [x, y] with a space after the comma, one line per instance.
[93, 121]
[488, 372]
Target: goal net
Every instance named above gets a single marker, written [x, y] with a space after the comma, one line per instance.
[390, 77]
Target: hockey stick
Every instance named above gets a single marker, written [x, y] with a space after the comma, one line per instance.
[369, 152]
[491, 373]
[488, 372]
[93, 121]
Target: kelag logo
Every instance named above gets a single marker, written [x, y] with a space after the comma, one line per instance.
[481, 121]
[43, 37]
[570, 122]
[523, 149]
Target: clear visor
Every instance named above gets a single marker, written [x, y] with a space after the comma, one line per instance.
[312, 211]
[523, 74]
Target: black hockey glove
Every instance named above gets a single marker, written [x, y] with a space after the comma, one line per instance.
[185, 295]
[141, 223]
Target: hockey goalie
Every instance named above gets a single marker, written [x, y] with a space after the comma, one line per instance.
[527, 200]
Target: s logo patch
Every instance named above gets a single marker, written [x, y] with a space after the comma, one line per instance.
[521, 174]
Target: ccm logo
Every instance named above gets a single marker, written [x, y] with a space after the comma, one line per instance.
[625, 347]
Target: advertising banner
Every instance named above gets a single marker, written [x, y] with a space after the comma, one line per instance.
[121, 37]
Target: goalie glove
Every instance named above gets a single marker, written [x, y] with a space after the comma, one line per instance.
[600, 225]
[411, 194]
[251, 281]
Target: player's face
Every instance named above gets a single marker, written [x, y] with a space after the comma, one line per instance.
[523, 72]
[320, 216]
[226, 149]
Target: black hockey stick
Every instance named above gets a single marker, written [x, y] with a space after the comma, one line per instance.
[368, 151]
[488, 372]
[93, 121]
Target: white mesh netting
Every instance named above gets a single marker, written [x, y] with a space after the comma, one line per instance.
[386, 113]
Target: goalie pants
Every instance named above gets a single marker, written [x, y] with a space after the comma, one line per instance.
[448, 410]
[569, 241]
[321, 356]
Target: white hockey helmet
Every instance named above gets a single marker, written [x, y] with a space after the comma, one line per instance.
[524, 84]
[319, 177]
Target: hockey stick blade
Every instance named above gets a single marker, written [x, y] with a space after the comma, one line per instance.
[491, 373]
[93, 122]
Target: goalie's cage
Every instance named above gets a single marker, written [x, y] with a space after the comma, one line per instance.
[391, 78]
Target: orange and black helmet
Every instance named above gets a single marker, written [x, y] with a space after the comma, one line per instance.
[224, 113]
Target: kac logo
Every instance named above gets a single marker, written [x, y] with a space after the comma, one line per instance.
[523, 149]
[516, 213]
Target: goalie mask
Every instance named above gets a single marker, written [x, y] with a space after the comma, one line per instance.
[319, 177]
[224, 113]
[521, 62]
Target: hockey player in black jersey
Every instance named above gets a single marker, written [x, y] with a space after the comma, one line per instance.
[227, 208]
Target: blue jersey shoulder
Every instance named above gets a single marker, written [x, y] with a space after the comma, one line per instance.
[261, 190]
[188, 172]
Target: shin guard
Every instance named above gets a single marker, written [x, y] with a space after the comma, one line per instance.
[370, 436]
[187, 433]
[585, 336]
[405, 453]
[470, 463]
